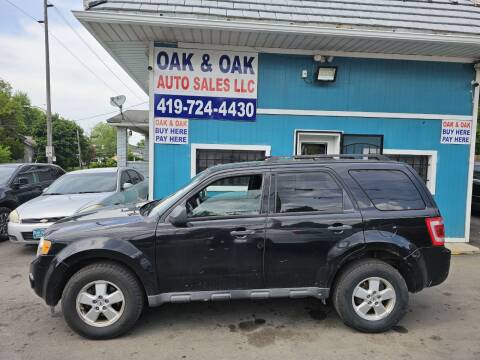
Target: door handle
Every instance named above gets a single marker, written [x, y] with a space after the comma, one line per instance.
[340, 228]
[242, 233]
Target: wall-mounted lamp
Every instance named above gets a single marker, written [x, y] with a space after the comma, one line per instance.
[326, 73]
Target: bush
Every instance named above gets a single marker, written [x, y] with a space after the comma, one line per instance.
[5, 154]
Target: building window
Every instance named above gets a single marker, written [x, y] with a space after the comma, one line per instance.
[210, 157]
[424, 162]
[419, 163]
[362, 144]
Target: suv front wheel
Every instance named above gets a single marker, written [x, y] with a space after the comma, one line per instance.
[102, 301]
[370, 296]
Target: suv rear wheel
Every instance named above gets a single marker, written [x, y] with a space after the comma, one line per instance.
[370, 296]
[102, 301]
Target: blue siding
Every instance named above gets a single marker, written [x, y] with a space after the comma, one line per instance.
[367, 85]
[362, 85]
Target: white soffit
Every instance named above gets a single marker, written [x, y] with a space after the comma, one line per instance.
[127, 38]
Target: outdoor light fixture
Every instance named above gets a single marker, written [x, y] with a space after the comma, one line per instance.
[327, 73]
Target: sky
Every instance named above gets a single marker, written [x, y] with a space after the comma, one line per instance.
[77, 94]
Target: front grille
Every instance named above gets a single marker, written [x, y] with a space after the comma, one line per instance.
[39, 221]
[27, 236]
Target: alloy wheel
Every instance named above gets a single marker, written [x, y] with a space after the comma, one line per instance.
[373, 299]
[100, 303]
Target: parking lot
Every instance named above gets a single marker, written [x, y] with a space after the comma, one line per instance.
[442, 323]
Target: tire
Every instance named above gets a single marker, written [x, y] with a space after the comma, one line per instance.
[4, 213]
[109, 277]
[362, 277]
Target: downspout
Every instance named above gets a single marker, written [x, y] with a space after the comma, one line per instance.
[475, 98]
[151, 131]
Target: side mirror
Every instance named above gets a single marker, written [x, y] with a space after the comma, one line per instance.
[178, 217]
[21, 181]
[127, 186]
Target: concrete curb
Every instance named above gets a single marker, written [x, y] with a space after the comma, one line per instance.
[462, 248]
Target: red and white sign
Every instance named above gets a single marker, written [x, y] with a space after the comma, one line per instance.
[171, 131]
[456, 132]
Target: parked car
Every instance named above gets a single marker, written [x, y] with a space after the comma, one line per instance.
[20, 183]
[363, 231]
[476, 188]
[74, 192]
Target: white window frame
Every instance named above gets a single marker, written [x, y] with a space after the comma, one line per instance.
[432, 169]
[329, 137]
[195, 147]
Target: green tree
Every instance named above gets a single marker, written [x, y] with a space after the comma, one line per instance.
[12, 120]
[64, 136]
[5, 155]
[104, 139]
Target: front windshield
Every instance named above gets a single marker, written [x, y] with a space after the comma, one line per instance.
[5, 173]
[82, 183]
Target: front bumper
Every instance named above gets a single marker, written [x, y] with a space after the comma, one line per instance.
[23, 233]
[38, 273]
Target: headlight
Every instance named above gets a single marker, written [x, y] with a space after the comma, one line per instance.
[14, 217]
[43, 246]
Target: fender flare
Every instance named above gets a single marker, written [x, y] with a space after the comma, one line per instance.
[83, 252]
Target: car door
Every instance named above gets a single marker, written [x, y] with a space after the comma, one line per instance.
[310, 215]
[221, 247]
[28, 190]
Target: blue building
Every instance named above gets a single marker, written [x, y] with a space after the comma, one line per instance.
[293, 77]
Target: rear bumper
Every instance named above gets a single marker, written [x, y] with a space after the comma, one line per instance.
[430, 266]
[437, 264]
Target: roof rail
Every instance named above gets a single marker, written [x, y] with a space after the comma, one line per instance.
[377, 157]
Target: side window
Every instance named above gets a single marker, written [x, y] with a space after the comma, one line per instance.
[389, 189]
[243, 199]
[134, 176]
[29, 175]
[124, 178]
[45, 173]
[304, 192]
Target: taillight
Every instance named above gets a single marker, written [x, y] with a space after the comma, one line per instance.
[436, 229]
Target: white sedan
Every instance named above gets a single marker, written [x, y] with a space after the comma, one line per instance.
[75, 192]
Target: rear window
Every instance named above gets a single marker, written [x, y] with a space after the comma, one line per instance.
[389, 189]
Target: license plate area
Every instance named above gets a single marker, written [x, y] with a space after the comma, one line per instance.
[38, 233]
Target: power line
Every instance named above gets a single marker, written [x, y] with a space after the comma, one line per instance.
[110, 112]
[93, 51]
[66, 49]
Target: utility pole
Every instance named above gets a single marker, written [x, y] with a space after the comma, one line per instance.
[49, 151]
[79, 149]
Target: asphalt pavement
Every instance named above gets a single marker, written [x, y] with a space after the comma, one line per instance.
[442, 323]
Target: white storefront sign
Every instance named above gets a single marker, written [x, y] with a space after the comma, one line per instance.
[456, 132]
[171, 131]
[205, 84]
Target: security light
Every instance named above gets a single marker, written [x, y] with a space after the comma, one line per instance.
[327, 73]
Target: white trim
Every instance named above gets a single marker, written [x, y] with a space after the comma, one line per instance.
[273, 27]
[354, 54]
[151, 131]
[473, 139]
[337, 135]
[194, 147]
[432, 170]
[456, 240]
[363, 114]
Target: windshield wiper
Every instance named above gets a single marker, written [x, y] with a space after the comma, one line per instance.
[86, 192]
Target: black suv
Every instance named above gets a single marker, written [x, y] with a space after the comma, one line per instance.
[20, 183]
[362, 231]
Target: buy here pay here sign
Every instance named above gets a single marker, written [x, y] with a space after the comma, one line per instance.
[205, 84]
